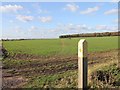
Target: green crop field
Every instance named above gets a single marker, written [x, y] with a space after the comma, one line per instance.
[51, 47]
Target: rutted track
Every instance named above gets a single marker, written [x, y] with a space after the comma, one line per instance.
[52, 65]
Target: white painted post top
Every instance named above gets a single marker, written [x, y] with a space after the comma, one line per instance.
[82, 48]
[82, 40]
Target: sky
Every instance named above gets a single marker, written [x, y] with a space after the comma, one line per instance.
[52, 19]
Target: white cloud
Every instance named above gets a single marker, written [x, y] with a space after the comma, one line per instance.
[90, 10]
[17, 29]
[45, 19]
[112, 11]
[38, 9]
[76, 27]
[42, 11]
[101, 27]
[33, 28]
[116, 21]
[11, 21]
[73, 27]
[115, 0]
[106, 27]
[83, 28]
[24, 18]
[71, 7]
[114, 28]
[10, 8]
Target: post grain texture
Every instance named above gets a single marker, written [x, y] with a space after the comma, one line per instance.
[82, 64]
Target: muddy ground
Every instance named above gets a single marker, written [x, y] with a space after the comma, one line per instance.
[15, 76]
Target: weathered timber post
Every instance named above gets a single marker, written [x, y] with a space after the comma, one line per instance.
[82, 64]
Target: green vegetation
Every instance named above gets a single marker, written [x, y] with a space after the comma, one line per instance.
[53, 47]
[107, 77]
[60, 70]
[8, 63]
[61, 80]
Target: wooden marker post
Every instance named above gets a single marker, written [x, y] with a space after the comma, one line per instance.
[82, 64]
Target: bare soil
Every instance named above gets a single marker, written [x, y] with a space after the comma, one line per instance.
[16, 76]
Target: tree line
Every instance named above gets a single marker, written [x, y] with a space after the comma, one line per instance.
[91, 35]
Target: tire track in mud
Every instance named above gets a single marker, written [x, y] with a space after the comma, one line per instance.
[55, 65]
